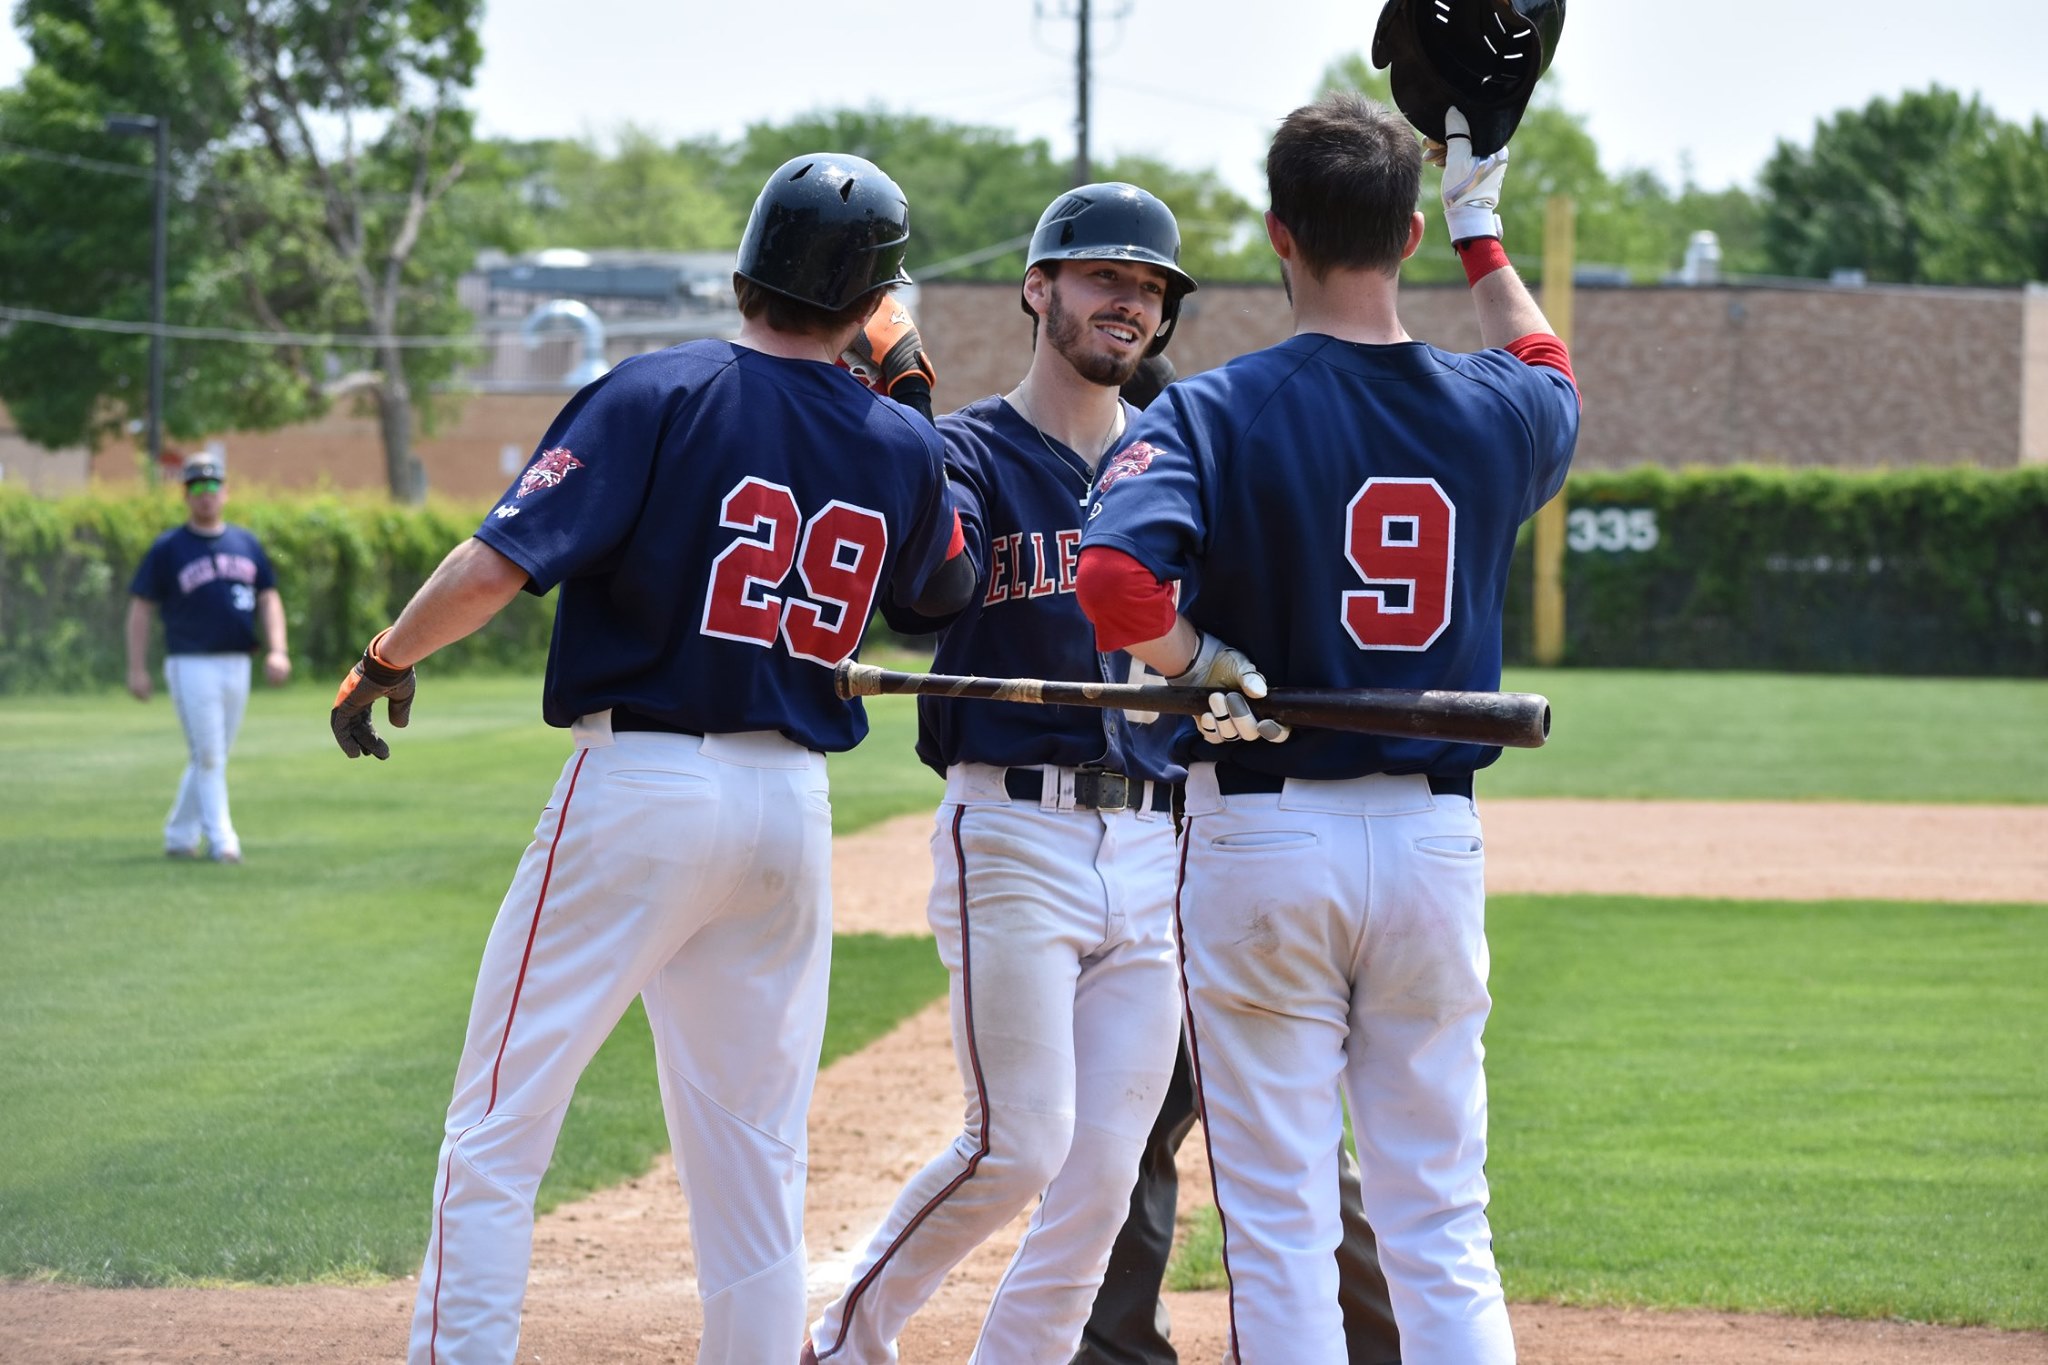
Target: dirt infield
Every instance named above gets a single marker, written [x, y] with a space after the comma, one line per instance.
[612, 1274]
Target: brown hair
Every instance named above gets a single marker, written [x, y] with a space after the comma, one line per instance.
[1344, 174]
[786, 314]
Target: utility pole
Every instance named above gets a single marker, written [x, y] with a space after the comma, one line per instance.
[159, 130]
[1084, 71]
[1082, 175]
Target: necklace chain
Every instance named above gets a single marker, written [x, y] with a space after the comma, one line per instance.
[1108, 438]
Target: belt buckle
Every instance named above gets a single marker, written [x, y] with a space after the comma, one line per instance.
[1100, 789]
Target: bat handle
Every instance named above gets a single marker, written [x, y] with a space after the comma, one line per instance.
[850, 680]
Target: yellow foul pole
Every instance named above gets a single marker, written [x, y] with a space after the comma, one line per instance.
[1547, 647]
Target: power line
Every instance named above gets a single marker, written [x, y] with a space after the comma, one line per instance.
[121, 327]
[83, 163]
[173, 331]
[958, 263]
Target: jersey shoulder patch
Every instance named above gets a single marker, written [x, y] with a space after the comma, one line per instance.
[548, 470]
[1134, 458]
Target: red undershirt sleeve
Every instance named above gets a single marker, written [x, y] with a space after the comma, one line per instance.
[1127, 604]
[1541, 348]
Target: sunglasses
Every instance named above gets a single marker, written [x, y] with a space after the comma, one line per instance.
[202, 486]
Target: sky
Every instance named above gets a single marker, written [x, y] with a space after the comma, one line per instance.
[1704, 90]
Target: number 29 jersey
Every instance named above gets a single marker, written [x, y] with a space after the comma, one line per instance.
[1346, 515]
[721, 523]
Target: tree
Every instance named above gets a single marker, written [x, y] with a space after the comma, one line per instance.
[1630, 220]
[970, 188]
[314, 145]
[75, 228]
[1931, 188]
[1222, 237]
[642, 195]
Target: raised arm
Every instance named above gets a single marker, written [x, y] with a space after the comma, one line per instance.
[1471, 195]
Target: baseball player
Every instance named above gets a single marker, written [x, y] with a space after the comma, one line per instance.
[1129, 1325]
[1053, 850]
[213, 583]
[720, 518]
[1341, 508]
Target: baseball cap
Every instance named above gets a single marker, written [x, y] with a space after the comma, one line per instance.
[204, 467]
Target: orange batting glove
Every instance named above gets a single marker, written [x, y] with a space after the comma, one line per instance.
[370, 679]
[889, 350]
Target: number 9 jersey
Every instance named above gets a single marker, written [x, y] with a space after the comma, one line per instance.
[1344, 514]
[773, 501]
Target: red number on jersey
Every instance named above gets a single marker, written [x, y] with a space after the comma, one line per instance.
[840, 562]
[1400, 534]
[740, 603]
[840, 556]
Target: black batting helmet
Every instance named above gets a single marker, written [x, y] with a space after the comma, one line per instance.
[1484, 56]
[1114, 222]
[1155, 372]
[827, 229]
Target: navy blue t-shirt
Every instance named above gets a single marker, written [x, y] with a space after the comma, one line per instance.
[1345, 514]
[721, 523]
[206, 587]
[1021, 496]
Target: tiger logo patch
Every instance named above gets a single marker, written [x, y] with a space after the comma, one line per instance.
[548, 470]
[1134, 458]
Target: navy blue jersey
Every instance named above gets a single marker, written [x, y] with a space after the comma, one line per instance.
[1021, 495]
[721, 523]
[1345, 514]
[206, 587]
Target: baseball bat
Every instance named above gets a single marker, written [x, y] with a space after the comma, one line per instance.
[1515, 720]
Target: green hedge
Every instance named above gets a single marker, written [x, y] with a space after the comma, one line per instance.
[1933, 572]
[1923, 572]
[345, 566]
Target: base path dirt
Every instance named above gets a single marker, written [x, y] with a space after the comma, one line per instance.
[1766, 850]
[612, 1274]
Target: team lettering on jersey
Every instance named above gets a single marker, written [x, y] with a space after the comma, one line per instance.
[210, 568]
[1019, 567]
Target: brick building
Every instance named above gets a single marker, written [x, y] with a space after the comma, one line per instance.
[1782, 373]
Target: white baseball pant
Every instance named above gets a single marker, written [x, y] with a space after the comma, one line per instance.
[210, 692]
[1056, 927]
[1333, 940]
[696, 874]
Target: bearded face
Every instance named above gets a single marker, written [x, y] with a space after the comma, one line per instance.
[1101, 316]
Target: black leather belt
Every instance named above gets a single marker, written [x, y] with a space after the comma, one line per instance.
[626, 718]
[1232, 780]
[1094, 789]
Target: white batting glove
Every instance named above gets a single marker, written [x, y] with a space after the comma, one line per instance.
[1236, 678]
[1471, 188]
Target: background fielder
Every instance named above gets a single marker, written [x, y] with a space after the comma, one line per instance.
[1343, 506]
[721, 517]
[213, 583]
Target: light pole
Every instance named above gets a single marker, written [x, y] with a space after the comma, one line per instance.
[158, 129]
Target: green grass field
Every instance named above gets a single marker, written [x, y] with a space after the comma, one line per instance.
[1777, 737]
[239, 1073]
[1798, 1108]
